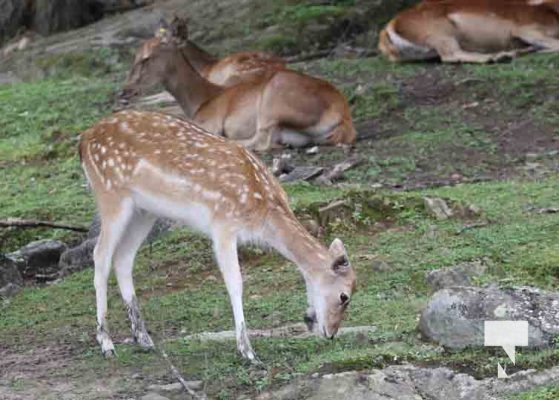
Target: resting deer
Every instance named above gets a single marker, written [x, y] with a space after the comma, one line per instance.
[228, 71]
[477, 31]
[143, 165]
[283, 108]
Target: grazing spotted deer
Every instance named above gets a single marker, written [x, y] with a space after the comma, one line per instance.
[228, 71]
[282, 108]
[143, 165]
[476, 31]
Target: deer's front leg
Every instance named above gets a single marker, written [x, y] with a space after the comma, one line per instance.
[225, 248]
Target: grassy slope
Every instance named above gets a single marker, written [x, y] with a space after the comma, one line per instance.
[180, 287]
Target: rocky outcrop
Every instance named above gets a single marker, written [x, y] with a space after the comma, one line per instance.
[455, 316]
[407, 382]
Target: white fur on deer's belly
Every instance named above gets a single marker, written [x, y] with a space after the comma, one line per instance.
[193, 214]
[178, 197]
[408, 50]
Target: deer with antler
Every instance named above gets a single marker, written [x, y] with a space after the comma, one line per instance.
[283, 107]
[144, 165]
[476, 31]
[229, 70]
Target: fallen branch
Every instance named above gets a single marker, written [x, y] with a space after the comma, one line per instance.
[32, 223]
[295, 331]
[472, 226]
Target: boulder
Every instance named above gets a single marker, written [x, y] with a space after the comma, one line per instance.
[39, 259]
[408, 382]
[455, 316]
[11, 281]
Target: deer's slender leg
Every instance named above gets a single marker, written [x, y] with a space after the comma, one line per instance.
[225, 248]
[123, 261]
[115, 216]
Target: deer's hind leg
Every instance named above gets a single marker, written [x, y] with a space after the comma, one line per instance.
[138, 228]
[115, 216]
[538, 39]
[449, 51]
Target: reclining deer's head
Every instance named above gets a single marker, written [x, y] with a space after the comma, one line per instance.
[156, 57]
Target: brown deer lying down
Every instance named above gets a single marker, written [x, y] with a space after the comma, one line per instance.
[283, 108]
[476, 31]
[228, 71]
[142, 165]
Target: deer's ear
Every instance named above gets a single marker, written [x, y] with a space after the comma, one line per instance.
[179, 29]
[337, 248]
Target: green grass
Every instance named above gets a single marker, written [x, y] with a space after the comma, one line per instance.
[545, 393]
[182, 293]
[40, 175]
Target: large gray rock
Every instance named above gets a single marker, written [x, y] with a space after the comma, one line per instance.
[11, 281]
[454, 317]
[39, 259]
[407, 382]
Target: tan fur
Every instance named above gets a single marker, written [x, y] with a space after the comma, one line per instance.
[241, 67]
[143, 164]
[476, 31]
[283, 107]
[228, 71]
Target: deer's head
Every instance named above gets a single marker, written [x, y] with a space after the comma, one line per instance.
[156, 57]
[329, 292]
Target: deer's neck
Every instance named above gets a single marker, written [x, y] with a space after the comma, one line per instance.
[198, 57]
[286, 234]
[188, 87]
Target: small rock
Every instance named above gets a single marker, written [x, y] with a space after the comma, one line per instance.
[437, 207]
[176, 387]
[459, 275]
[153, 396]
[380, 265]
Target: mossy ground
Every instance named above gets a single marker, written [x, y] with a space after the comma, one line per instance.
[482, 135]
